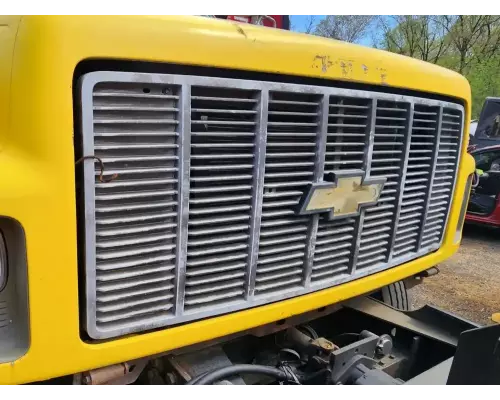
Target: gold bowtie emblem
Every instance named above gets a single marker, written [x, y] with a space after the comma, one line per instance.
[343, 198]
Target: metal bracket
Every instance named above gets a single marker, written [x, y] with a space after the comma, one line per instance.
[427, 321]
[364, 348]
[342, 374]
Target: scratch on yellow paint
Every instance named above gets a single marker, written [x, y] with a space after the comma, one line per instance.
[346, 68]
[240, 30]
[383, 75]
[323, 62]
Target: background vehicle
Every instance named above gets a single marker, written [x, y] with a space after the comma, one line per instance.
[184, 194]
[472, 132]
[484, 203]
[272, 21]
[487, 131]
[473, 127]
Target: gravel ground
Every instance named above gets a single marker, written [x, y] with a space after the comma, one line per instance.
[469, 282]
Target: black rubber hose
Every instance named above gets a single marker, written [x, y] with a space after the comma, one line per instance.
[232, 370]
[193, 381]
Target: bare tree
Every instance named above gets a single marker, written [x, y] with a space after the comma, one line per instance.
[433, 43]
[349, 28]
[419, 36]
[397, 34]
[310, 24]
[474, 37]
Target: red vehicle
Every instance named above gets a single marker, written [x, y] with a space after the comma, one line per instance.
[272, 21]
[484, 202]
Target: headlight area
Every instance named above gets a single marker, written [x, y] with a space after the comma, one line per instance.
[14, 314]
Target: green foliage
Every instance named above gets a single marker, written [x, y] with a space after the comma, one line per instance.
[484, 79]
[468, 44]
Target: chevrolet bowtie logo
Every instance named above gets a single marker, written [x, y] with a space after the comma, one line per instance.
[344, 197]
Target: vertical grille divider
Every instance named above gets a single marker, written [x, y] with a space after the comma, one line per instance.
[319, 170]
[455, 169]
[441, 192]
[258, 191]
[183, 195]
[431, 180]
[367, 161]
[404, 167]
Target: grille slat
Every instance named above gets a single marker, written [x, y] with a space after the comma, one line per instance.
[202, 217]
[345, 139]
[136, 214]
[439, 197]
[209, 178]
[284, 181]
[410, 215]
[391, 120]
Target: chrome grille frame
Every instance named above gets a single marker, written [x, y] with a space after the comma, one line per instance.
[177, 313]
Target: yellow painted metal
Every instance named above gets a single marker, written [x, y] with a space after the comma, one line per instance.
[38, 57]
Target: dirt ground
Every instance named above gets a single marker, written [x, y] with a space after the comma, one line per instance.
[469, 283]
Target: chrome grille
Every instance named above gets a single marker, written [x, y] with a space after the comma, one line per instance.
[347, 133]
[292, 131]
[417, 177]
[223, 125]
[202, 217]
[448, 139]
[135, 136]
[390, 127]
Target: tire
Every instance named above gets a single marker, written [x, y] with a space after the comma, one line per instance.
[396, 295]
